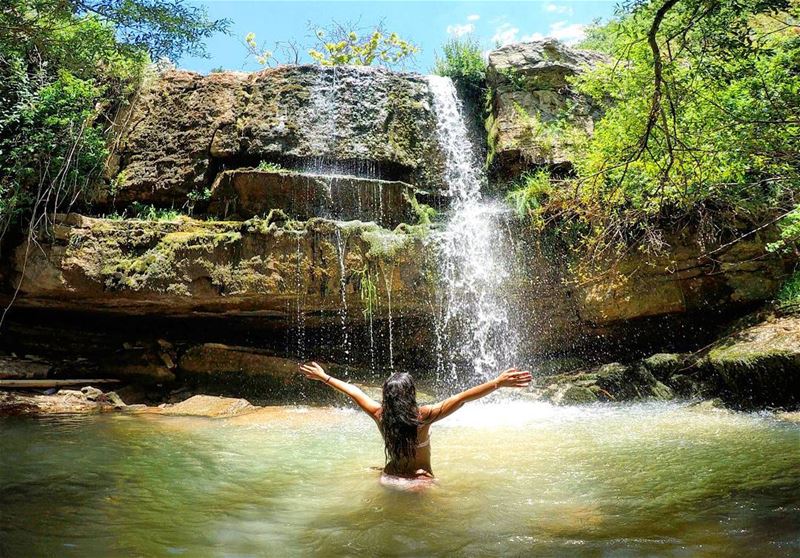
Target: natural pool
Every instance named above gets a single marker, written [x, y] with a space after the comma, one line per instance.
[516, 478]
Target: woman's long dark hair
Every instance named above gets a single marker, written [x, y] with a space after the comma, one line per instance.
[400, 417]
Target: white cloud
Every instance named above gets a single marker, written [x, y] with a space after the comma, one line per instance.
[568, 33]
[531, 37]
[460, 29]
[473, 17]
[557, 8]
[505, 34]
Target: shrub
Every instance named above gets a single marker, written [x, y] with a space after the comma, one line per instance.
[462, 61]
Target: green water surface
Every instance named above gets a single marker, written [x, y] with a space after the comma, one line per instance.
[516, 479]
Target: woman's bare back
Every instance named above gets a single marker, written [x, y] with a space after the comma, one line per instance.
[420, 465]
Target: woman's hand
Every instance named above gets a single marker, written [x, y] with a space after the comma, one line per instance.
[513, 378]
[314, 371]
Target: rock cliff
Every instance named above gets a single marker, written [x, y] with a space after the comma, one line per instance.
[308, 235]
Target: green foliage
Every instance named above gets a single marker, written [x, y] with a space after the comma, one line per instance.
[462, 61]
[515, 78]
[147, 212]
[531, 194]
[425, 213]
[199, 195]
[789, 228]
[339, 44]
[788, 298]
[336, 49]
[269, 166]
[66, 68]
[49, 147]
[368, 291]
[714, 132]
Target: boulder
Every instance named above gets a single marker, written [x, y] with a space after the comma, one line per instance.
[210, 406]
[664, 365]
[246, 193]
[183, 127]
[533, 104]
[626, 383]
[574, 395]
[610, 382]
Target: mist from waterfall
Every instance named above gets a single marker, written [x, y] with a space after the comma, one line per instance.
[473, 328]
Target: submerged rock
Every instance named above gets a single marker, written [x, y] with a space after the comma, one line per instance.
[210, 406]
[574, 395]
[664, 365]
[610, 382]
[626, 383]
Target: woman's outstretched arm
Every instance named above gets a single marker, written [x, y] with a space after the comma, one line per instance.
[314, 371]
[509, 378]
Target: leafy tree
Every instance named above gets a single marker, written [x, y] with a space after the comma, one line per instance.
[66, 67]
[339, 44]
[162, 28]
[700, 124]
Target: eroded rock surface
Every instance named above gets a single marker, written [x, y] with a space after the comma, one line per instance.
[685, 292]
[184, 127]
[246, 193]
[210, 406]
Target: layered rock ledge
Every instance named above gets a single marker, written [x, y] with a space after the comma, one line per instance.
[244, 193]
[535, 113]
[274, 266]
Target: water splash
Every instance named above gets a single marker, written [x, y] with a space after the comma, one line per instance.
[388, 279]
[300, 291]
[473, 326]
[340, 249]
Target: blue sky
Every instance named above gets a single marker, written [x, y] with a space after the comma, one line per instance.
[427, 24]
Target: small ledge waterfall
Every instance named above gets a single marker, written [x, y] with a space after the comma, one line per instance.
[474, 335]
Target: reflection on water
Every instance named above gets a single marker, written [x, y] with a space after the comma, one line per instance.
[517, 478]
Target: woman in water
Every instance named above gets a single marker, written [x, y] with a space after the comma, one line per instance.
[404, 425]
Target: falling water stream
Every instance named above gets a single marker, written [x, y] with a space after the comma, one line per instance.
[473, 328]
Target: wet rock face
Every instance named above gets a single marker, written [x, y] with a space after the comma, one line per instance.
[643, 302]
[247, 193]
[183, 128]
[269, 265]
[530, 95]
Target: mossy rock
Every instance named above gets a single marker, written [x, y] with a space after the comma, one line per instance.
[664, 365]
[577, 395]
[625, 383]
[756, 367]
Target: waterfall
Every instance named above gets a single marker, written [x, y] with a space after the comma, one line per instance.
[473, 329]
